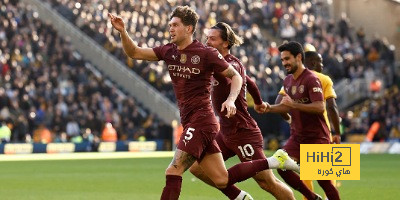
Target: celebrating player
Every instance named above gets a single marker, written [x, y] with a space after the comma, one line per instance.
[305, 103]
[191, 65]
[313, 61]
[239, 135]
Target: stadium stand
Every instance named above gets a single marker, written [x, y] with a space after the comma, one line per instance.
[346, 54]
[60, 76]
[349, 58]
[50, 94]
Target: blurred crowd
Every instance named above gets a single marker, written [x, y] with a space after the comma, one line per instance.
[378, 118]
[49, 93]
[346, 53]
[45, 83]
[147, 23]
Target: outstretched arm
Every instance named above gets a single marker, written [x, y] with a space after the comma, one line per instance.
[333, 115]
[236, 85]
[130, 48]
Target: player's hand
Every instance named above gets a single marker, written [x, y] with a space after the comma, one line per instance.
[230, 108]
[267, 107]
[260, 108]
[287, 101]
[336, 139]
[117, 22]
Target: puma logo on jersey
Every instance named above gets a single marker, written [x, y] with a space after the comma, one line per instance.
[214, 83]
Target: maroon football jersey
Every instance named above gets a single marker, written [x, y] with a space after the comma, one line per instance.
[306, 89]
[191, 70]
[220, 93]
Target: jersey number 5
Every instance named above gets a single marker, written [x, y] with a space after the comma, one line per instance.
[247, 150]
[189, 134]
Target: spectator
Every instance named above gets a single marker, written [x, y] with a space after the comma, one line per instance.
[109, 134]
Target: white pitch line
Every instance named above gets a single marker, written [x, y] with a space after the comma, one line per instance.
[85, 156]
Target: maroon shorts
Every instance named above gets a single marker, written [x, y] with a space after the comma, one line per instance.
[246, 144]
[292, 146]
[198, 139]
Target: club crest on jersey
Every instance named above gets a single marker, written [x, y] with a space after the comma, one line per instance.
[301, 89]
[195, 59]
[183, 58]
[220, 56]
[294, 89]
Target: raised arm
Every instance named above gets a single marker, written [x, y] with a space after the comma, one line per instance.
[333, 115]
[236, 86]
[130, 48]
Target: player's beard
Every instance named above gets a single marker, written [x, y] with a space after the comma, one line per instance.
[293, 68]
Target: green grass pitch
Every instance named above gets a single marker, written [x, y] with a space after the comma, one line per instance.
[143, 179]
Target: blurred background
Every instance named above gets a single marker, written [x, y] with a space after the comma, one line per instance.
[67, 86]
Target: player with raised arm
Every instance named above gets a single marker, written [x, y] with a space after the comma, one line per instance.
[239, 135]
[191, 65]
[305, 103]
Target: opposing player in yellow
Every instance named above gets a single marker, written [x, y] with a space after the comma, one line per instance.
[313, 61]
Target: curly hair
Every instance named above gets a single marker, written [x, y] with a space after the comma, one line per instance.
[188, 16]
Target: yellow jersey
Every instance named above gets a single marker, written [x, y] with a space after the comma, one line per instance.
[327, 90]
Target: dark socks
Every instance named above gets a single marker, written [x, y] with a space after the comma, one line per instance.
[245, 170]
[331, 192]
[172, 187]
[231, 191]
[292, 179]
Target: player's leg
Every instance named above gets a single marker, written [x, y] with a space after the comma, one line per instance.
[196, 170]
[309, 184]
[248, 145]
[292, 178]
[180, 163]
[214, 167]
[268, 182]
[231, 191]
[330, 190]
[189, 149]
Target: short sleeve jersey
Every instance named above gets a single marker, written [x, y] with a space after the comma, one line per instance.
[327, 90]
[221, 91]
[191, 70]
[306, 89]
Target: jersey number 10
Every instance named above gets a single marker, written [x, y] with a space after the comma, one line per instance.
[246, 150]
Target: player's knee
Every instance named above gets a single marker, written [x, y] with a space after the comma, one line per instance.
[221, 182]
[173, 171]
